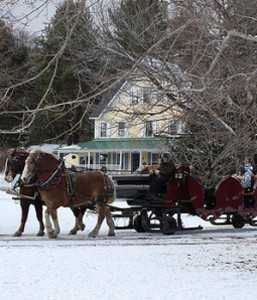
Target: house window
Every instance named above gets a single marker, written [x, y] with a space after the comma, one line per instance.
[155, 158]
[146, 94]
[150, 128]
[103, 130]
[103, 158]
[118, 158]
[83, 160]
[134, 99]
[160, 96]
[172, 127]
[121, 129]
[133, 96]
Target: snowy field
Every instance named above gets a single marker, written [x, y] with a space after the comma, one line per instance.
[213, 263]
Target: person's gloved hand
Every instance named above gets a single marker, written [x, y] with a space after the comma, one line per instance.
[156, 172]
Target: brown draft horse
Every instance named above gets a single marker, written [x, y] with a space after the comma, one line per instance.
[13, 166]
[59, 186]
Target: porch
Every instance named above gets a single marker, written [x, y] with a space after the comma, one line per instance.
[118, 156]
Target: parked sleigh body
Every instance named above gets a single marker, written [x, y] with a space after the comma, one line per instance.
[185, 195]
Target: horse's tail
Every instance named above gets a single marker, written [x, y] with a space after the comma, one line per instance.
[114, 194]
[110, 189]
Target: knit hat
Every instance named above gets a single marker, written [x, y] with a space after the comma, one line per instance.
[166, 155]
[242, 169]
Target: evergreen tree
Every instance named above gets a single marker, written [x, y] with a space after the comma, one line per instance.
[14, 66]
[70, 64]
[139, 24]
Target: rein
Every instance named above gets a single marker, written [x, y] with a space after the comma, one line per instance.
[59, 173]
[12, 161]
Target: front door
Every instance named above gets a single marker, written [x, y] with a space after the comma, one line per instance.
[135, 157]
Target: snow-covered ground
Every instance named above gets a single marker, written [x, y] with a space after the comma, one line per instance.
[214, 263]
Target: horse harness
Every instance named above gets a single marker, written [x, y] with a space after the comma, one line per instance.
[66, 179]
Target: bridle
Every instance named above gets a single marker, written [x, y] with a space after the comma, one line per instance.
[14, 162]
[54, 176]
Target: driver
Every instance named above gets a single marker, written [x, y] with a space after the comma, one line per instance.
[161, 176]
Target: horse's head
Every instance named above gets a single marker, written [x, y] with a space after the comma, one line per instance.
[14, 163]
[38, 166]
[30, 167]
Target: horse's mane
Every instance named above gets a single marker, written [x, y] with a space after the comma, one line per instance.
[39, 152]
[14, 151]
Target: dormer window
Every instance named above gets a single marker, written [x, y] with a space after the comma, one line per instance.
[134, 99]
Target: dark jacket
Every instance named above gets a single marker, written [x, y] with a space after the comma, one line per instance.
[210, 182]
[167, 169]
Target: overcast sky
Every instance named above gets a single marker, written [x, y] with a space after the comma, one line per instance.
[34, 15]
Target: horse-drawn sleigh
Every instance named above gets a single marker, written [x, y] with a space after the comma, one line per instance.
[57, 186]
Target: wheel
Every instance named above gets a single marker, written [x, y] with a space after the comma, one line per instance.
[169, 225]
[238, 221]
[145, 221]
[138, 224]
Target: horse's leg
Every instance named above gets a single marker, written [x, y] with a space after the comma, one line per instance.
[75, 229]
[109, 221]
[24, 204]
[52, 233]
[39, 213]
[100, 218]
[79, 225]
[55, 221]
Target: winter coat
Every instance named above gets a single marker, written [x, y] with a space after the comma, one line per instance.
[211, 181]
[167, 169]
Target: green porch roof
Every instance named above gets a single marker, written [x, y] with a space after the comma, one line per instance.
[129, 144]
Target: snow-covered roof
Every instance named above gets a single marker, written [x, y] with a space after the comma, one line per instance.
[50, 148]
[70, 147]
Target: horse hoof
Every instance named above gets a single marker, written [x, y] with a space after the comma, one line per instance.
[73, 232]
[82, 227]
[52, 235]
[17, 234]
[111, 234]
[92, 235]
[40, 233]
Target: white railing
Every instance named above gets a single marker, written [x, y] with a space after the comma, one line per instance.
[112, 169]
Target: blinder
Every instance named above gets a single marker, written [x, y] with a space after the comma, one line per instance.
[13, 162]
